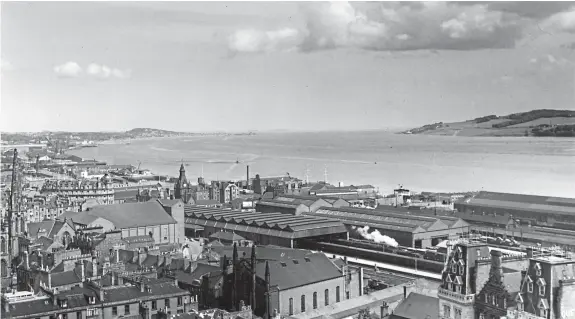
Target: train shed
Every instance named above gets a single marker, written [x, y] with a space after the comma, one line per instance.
[262, 228]
[545, 210]
[408, 230]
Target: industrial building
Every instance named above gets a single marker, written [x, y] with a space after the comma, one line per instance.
[408, 230]
[537, 210]
[262, 228]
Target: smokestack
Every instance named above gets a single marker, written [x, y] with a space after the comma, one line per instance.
[248, 177]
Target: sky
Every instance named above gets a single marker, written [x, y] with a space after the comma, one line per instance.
[300, 66]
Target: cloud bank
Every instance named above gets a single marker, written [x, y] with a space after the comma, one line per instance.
[390, 26]
[99, 71]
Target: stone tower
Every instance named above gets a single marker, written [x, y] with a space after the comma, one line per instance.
[182, 185]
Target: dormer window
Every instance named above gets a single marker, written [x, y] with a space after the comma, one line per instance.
[454, 268]
[461, 269]
[64, 303]
[541, 285]
[92, 300]
[537, 269]
[529, 285]
[459, 253]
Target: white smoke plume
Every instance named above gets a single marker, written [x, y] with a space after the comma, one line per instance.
[375, 236]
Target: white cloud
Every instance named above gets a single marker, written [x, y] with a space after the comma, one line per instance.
[550, 62]
[73, 70]
[252, 41]
[101, 71]
[389, 26]
[68, 70]
[560, 22]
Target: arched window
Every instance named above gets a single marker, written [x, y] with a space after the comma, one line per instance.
[291, 306]
[315, 300]
[326, 292]
[3, 245]
[302, 303]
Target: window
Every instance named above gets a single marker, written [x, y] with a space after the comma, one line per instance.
[478, 253]
[543, 313]
[446, 311]
[530, 287]
[154, 305]
[315, 300]
[461, 268]
[454, 268]
[337, 294]
[167, 303]
[347, 295]
[64, 316]
[494, 300]
[180, 301]
[302, 303]
[520, 306]
[79, 315]
[114, 311]
[541, 290]
[457, 313]
[326, 292]
[291, 306]
[126, 309]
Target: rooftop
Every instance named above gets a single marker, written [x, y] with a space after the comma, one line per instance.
[385, 219]
[417, 306]
[270, 224]
[556, 205]
[133, 214]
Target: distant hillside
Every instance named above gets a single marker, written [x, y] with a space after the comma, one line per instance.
[559, 123]
[67, 138]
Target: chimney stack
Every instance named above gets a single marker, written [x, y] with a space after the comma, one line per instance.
[248, 177]
[113, 275]
[384, 310]
[49, 280]
[83, 270]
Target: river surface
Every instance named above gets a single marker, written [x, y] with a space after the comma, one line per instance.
[528, 165]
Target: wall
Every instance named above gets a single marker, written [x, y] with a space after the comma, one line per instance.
[565, 298]
[308, 291]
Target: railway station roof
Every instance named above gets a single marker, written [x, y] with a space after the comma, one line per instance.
[539, 204]
[270, 224]
[382, 219]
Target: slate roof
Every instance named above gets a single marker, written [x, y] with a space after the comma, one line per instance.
[200, 270]
[226, 236]
[384, 220]
[541, 204]
[417, 306]
[298, 272]
[264, 252]
[133, 214]
[52, 227]
[270, 224]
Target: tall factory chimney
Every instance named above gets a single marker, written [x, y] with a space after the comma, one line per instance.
[248, 177]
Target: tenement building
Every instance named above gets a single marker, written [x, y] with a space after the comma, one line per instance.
[81, 190]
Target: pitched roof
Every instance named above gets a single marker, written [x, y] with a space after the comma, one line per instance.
[298, 272]
[133, 214]
[226, 236]
[417, 306]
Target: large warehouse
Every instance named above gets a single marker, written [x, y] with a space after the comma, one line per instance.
[550, 211]
[262, 228]
[296, 205]
[408, 230]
